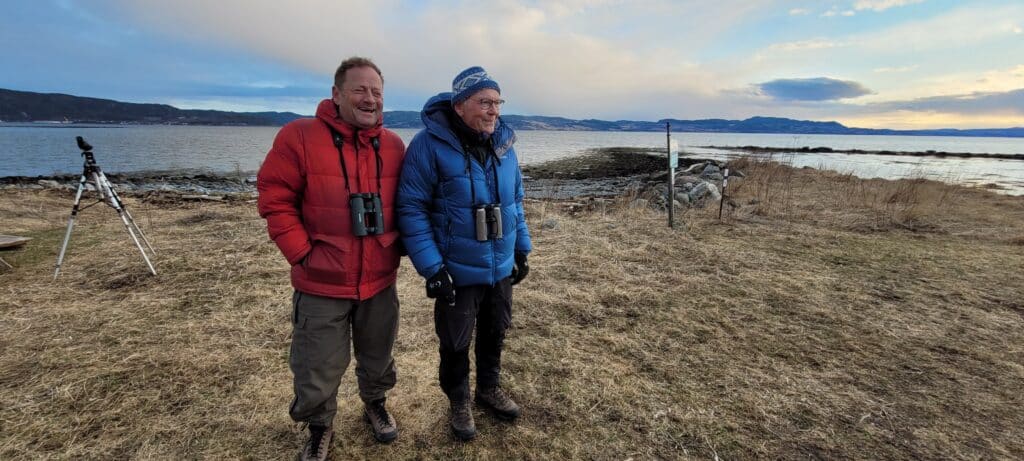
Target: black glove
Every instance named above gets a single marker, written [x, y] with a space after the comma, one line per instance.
[440, 286]
[521, 268]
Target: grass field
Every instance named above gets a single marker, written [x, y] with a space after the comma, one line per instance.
[827, 317]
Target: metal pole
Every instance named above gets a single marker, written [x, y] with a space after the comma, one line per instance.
[670, 193]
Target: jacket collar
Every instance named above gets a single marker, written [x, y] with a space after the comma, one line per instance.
[435, 119]
[328, 112]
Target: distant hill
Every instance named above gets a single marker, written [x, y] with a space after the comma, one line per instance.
[24, 106]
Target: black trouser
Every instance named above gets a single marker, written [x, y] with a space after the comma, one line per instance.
[490, 308]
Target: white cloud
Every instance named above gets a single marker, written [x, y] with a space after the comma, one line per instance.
[560, 58]
[882, 5]
[882, 70]
[799, 11]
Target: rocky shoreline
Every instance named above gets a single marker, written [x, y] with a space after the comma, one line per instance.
[597, 174]
[829, 150]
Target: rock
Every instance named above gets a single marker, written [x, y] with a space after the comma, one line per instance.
[715, 177]
[710, 170]
[703, 191]
[736, 174]
[550, 223]
[49, 183]
[683, 197]
[713, 192]
[698, 191]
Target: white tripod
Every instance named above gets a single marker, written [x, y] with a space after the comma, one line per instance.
[92, 173]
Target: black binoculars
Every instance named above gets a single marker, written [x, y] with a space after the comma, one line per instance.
[488, 222]
[367, 214]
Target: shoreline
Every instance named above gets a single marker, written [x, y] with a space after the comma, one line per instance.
[596, 173]
[829, 150]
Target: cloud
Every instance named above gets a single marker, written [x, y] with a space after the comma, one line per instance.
[812, 89]
[799, 11]
[900, 69]
[812, 44]
[1005, 102]
[882, 5]
[583, 58]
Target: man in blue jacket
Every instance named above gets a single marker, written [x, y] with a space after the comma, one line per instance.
[460, 212]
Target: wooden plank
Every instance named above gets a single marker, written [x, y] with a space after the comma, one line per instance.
[13, 241]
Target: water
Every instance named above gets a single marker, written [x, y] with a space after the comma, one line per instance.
[50, 149]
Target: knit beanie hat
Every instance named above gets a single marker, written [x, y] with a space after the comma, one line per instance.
[469, 81]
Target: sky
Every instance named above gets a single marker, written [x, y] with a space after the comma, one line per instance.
[901, 64]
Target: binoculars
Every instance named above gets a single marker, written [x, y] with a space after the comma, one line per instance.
[367, 214]
[488, 222]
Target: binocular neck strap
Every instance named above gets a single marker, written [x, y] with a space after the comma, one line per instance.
[469, 171]
[339, 142]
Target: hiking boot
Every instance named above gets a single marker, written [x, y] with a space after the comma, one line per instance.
[462, 420]
[499, 402]
[318, 447]
[383, 425]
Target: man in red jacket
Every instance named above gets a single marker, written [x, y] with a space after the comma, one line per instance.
[327, 190]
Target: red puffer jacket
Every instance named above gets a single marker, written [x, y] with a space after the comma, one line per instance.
[302, 196]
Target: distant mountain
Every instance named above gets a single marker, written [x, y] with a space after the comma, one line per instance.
[23, 106]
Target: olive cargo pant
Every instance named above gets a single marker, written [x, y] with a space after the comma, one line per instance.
[489, 308]
[321, 331]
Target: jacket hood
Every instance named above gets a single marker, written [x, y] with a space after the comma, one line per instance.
[436, 122]
[328, 112]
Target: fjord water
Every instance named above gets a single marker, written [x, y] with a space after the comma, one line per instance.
[41, 150]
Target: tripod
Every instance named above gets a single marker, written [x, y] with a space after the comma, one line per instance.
[91, 173]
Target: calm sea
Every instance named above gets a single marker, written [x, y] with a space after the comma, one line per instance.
[50, 149]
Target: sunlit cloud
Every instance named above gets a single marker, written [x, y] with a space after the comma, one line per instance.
[882, 70]
[882, 5]
[799, 11]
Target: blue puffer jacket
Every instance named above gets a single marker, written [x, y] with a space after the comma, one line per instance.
[435, 208]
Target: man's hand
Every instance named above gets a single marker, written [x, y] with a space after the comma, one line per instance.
[521, 268]
[440, 286]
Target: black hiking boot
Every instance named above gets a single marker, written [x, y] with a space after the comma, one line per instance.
[462, 420]
[498, 402]
[384, 428]
[318, 447]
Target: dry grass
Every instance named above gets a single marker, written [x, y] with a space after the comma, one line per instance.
[825, 328]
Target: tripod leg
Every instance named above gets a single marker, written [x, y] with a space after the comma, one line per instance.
[124, 219]
[117, 199]
[115, 202]
[5, 264]
[71, 224]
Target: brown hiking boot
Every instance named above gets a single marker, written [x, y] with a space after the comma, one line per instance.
[462, 420]
[318, 447]
[499, 402]
[384, 428]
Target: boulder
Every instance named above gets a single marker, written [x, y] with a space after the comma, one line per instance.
[49, 183]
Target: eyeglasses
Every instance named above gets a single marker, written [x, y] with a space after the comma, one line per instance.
[488, 104]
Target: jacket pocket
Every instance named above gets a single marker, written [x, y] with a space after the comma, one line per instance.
[328, 261]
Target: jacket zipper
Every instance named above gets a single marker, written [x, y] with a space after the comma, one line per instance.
[362, 267]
